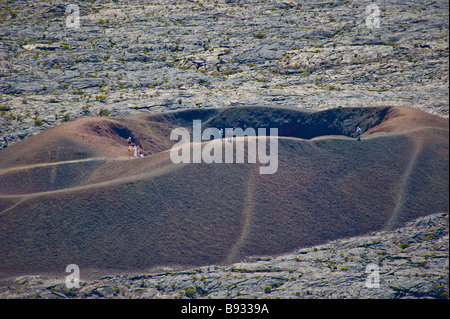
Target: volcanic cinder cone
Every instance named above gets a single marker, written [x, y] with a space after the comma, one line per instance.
[72, 195]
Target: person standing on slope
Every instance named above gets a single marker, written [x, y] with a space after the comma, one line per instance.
[230, 134]
[358, 133]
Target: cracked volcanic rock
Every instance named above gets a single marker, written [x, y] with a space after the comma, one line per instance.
[128, 57]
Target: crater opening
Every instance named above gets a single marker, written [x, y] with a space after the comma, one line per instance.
[289, 122]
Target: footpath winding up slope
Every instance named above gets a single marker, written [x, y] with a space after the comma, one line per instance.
[71, 195]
